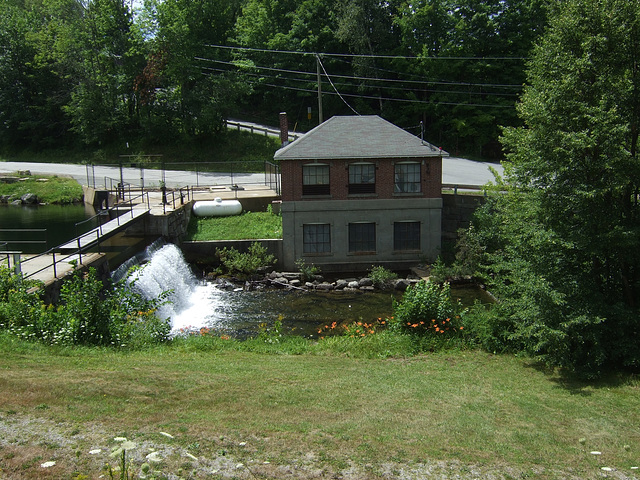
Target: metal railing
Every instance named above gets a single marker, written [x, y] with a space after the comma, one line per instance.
[181, 194]
[130, 198]
[56, 258]
[199, 174]
[6, 242]
[253, 128]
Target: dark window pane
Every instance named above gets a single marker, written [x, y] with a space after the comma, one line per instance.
[406, 236]
[362, 237]
[316, 238]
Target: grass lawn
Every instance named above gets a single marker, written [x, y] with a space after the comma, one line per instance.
[49, 189]
[258, 225]
[243, 414]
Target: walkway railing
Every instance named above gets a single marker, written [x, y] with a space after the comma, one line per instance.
[83, 242]
[4, 244]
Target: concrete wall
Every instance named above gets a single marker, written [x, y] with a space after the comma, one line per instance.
[171, 225]
[457, 212]
[338, 214]
[204, 253]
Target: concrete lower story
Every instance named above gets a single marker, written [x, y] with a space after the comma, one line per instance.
[340, 219]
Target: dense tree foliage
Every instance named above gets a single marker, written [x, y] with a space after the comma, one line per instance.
[563, 243]
[96, 72]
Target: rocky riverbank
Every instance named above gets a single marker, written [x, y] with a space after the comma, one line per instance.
[297, 281]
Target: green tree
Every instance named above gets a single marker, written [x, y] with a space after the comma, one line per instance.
[563, 245]
[103, 107]
[181, 92]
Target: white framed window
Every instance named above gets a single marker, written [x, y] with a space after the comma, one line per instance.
[407, 177]
[315, 179]
[362, 178]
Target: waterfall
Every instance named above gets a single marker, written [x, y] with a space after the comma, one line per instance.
[165, 270]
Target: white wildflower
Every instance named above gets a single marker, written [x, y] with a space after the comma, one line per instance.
[95, 451]
[154, 457]
[192, 457]
[47, 464]
[596, 453]
[168, 435]
[120, 439]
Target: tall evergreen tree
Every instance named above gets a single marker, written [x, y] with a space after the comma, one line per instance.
[565, 243]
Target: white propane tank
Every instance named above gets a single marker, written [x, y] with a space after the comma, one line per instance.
[217, 208]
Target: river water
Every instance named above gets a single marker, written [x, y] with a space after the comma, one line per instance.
[196, 304]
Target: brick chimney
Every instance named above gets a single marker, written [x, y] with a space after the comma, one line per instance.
[284, 129]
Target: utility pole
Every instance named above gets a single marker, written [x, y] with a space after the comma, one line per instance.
[320, 118]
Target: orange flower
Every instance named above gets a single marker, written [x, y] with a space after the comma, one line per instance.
[461, 328]
[441, 331]
[320, 331]
[437, 329]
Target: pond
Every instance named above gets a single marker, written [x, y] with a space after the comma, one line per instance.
[58, 220]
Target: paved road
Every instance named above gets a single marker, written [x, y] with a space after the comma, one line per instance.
[457, 171]
[149, 178]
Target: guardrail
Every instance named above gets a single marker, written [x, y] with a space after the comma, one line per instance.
[253, 128]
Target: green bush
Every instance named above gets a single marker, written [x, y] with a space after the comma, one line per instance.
[308, 272]
[382, 277]
[244, 264]
[427, 308]
[87, 314]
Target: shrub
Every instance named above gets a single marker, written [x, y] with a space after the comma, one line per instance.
[245, 264]
[308, 272]
[88, 314]
[382, 277]
[427, 309]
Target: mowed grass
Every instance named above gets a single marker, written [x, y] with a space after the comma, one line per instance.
[49, 189]
[257, 225]
[465, 408]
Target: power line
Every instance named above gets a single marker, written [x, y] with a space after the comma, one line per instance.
[334, 87]
[353, 77]
[377, 87]
[352, 55]
[402, 100]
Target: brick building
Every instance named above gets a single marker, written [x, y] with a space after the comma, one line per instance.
[359, 191]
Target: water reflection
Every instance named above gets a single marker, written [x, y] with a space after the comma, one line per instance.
[59, 221]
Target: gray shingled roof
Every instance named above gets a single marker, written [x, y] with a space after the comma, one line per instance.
[366, 136]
